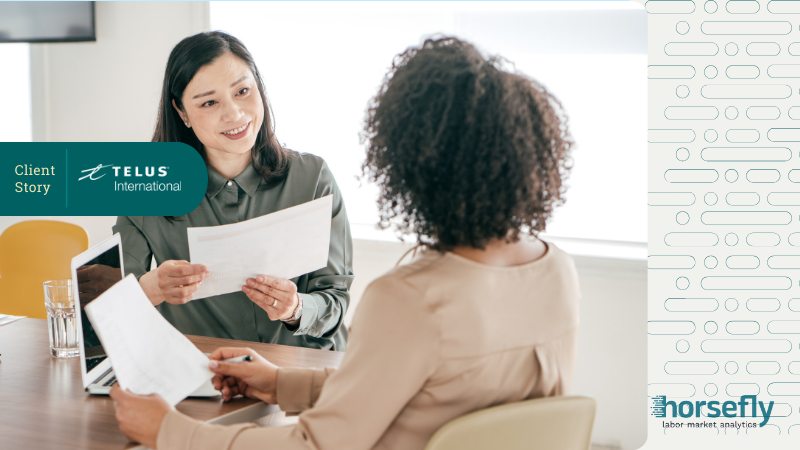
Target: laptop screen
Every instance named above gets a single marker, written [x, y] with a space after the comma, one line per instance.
[94, 278]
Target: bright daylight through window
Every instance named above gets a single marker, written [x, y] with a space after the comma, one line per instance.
[319, 91]
[15, 89]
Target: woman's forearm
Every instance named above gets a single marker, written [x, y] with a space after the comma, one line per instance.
[149, 284]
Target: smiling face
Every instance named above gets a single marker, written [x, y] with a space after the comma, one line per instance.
[223, 106]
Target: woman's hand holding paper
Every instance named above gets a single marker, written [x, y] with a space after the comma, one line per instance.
[173, 282]
[256, 379]
[276, 296]
[139, 416]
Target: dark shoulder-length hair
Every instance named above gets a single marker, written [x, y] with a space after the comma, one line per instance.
[190, 55]
[464, 152]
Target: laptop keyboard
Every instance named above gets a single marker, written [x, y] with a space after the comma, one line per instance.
[93, 362]
[112, 381]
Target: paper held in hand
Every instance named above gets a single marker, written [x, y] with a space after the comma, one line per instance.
[148, 354]
[284, 244]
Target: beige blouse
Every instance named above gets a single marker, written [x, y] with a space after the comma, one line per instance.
[431, 340]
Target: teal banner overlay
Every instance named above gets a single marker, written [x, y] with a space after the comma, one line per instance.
[100, 179]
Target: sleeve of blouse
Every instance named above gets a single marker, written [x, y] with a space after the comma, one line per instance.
[394, 349]
[298, 389]
[136, 253]
[328, 290]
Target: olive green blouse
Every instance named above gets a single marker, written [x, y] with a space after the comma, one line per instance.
[234, 316]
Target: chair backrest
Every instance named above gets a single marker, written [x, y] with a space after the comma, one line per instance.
[550, 423]
[31, 253]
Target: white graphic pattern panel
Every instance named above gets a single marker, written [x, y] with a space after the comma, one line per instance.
[724, 196]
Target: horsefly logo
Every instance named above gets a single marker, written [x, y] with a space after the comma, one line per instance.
[93, 172]
[747, 406]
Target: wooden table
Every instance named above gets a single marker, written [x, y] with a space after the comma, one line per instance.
[43, 404]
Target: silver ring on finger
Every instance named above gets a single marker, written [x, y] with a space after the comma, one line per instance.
[274, 303]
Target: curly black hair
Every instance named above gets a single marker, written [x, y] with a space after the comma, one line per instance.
[463, 151]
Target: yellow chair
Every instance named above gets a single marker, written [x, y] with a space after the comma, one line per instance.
[31, 253]
[550, 423]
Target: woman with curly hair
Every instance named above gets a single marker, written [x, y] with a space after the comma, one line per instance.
[471, 160]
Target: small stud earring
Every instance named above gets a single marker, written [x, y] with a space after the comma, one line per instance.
[187, 124]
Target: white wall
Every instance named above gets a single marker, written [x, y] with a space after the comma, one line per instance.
[15, 90]
[612, 348]
[108, 91]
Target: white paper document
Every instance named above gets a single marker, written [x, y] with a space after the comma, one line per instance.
[284, 244]
[148, 354]
[6, 319]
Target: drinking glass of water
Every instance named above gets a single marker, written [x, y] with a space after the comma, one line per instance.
[61, 324]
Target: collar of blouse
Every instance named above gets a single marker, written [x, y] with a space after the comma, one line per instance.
[248, 180]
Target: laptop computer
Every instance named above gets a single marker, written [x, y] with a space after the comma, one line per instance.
[94, 271]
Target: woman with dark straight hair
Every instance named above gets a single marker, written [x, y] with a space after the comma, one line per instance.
[188, 57]
[471, 159]
[214, 100]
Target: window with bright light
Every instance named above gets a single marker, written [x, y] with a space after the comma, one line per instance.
[323, 61]
[15, 90]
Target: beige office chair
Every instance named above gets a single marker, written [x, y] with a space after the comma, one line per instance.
[550, 423]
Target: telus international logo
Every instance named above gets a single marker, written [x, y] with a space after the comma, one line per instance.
[126, 171]
[747, 406]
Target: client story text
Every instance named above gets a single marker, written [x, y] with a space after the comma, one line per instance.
[25, 170]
